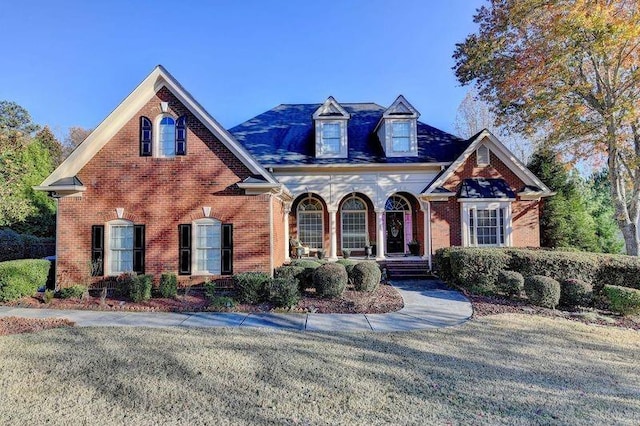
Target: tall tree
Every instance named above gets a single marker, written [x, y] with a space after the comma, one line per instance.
[598, 196]
[474, 115]
[565, 220]
[572, 69]
[52, 144]
[74, 137]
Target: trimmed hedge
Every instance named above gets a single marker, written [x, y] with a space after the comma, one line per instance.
[19, 278]
[24, 246]
[305, 280]
[510, 283]
[330, 280]
[298, 273]
[623, 300]
[542, 291]
[475, 268]
[74, 292]
[253, 287]
[168, 285]
[283, 292]
[575, 292]
[140, 288]
[366, 276]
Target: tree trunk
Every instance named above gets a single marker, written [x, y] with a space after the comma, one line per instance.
[630, 234]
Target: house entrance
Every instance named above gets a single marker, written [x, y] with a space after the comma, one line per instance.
[395, 232]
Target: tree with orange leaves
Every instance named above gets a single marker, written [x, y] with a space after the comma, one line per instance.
[568, 70]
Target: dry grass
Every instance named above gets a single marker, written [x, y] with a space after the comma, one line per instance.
[503, 369]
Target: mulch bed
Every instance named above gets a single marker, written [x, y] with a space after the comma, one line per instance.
[15, 325]
[491, 305]
[384, 299]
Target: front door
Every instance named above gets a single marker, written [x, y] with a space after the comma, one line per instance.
[395, 232]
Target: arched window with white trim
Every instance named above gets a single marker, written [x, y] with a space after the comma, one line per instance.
[354, 224]
[310, 223]
[166, 137]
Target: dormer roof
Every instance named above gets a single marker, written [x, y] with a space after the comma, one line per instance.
[401, 108]
[331, 109]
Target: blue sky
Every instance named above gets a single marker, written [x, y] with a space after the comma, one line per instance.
[72, 63]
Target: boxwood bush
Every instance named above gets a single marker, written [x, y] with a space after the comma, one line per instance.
[74, 292]
[330, 280]
[542, 291]
[366, 276]
[168, 285]
[252, 287]
[297, 273]
[19, 278]
[477, 269]
[510, 283]
[283, 292]
[140, 288]
[623, 300]
[305, 280]
[574, 292]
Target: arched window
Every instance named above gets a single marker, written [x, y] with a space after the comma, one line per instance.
[396, 203]
[354, 224]
[167, 137]
[310, 223]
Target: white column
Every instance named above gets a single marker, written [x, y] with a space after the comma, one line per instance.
[333, 233]
[380, 232]
[425, 206]
[287, 247]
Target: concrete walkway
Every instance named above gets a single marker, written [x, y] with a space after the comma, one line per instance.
[427, 304]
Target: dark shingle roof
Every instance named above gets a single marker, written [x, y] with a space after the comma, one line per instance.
[485, 188]
[285, 135]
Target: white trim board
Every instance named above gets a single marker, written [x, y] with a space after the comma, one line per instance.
[130, 106]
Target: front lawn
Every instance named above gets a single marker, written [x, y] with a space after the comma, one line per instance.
[502, 369]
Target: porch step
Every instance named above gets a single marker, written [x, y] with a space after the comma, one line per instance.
[407, 269]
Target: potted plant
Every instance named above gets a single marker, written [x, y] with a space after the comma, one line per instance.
[320, 254]
[374, 251]
[414, 247]
[346, 253]
[299, 249]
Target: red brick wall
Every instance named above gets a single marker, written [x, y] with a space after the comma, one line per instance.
[161, 194]
[445, 215]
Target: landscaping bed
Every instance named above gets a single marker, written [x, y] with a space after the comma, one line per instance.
[384, 299]
[15, 325]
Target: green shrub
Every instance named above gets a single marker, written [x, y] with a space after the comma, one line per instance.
[305, 280]
[510, 283]
[11, 245]
[37, 247]
[623, 300]
[48, 296]
[330, 280]
[574, 292]
[347, 262]
[542, 291]
[74, 292]
[252, 287]
[19, 278]
[168, 285]
[222, 302]
[366, 276]
[305, 263]
[140, 288]
[283, 292]
[477, 269]
[620, 270]
[210, 290]
[302, 276]
[559, 265]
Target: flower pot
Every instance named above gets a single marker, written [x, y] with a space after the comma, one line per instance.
[414, 249]
[300, 252]
[368, 251]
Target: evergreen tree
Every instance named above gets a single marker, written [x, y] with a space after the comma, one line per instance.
[602, 210]
[565, 220]
[53, 145]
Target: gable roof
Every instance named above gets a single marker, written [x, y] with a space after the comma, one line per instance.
[331, 109]
[285, 135]
[501, 151]
[127, 109]
[485, 188]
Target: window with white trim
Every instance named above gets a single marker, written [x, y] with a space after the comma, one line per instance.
[487, 224]
[207, 246]
[331, 138]
[354, 224]
[400, 136]
[120, 247]
[483, 156]
[167, 137]
[310, 223]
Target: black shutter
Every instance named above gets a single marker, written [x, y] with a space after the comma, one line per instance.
[97, 250]
[181, 135]
[227, 249]
[145, 137]
[138, 249]
[184, 252]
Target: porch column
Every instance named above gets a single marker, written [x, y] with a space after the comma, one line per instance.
[287, 247]
[425, 206]
[333, 233]
[380, 232]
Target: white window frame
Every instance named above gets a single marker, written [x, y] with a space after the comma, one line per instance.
[195, 248]
[386, 132]
[157, 148]
[408, 137]
[471, 207]
[366, 223]
[488, 151]
[342, 151]
[320, 212]
[108, 251]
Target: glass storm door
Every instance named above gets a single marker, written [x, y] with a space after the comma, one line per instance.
[395, 232]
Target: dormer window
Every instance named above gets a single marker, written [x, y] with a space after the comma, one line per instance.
[397, 129]
[331, 130]
[166, 138]
[483, 156]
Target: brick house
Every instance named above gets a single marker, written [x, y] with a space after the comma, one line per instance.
[161, 186]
